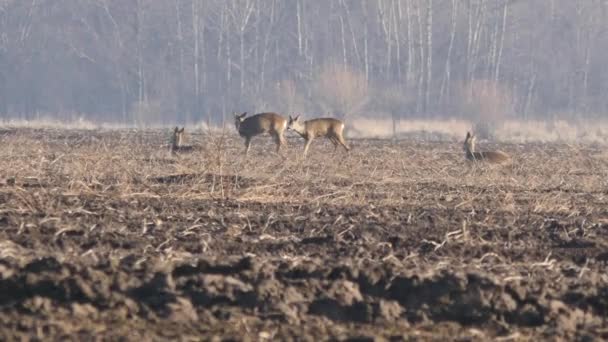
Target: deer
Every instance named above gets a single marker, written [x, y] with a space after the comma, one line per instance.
[489, 156]
[177, 141]
[271, 123]
[323, 127]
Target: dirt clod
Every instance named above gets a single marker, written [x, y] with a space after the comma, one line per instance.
[388, 242]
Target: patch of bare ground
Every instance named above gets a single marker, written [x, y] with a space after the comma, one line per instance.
[106, 234]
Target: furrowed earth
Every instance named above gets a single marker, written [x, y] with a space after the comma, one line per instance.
[106, 235]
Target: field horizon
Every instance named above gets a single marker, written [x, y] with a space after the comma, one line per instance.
[448, 129]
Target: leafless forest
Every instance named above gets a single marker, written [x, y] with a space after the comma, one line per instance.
[152, 61]
[124, 234]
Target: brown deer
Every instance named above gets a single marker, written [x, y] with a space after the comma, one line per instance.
[271, 123]
[177, 141]
[489, 156]
[324, 127]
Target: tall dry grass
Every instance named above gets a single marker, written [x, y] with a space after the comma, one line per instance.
[123, 185]
[126, 161]
[514, 131]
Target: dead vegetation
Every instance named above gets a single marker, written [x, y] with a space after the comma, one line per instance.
[104, 229]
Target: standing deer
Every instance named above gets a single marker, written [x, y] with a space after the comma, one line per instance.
[323, 127]
[177, 141]
[271, 123]
[490, 156]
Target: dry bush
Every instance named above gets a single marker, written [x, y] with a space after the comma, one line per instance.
[51, 122]
[147, 114]
[381, 126]
[287, 97]
[484, 102]
[594, 131]
[340, 90]
[392, 100]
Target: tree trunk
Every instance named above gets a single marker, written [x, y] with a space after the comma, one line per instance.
[421, 50]
[195, 30]
[505, 13]
[429, 55]
[444, 90]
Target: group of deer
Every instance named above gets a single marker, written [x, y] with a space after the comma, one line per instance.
[275, 125]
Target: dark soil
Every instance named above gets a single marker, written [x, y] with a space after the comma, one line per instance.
[105, 235]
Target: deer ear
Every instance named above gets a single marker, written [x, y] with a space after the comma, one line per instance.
[182, 131]
[176, 129]
[244, 114]
[468, 135]
[297, 117]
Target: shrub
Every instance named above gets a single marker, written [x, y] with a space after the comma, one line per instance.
[340, 90]
[485, 103]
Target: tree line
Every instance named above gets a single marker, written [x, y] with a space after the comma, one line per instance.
[165, 61]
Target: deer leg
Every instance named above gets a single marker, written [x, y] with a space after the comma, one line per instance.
[343, 143]
[277, 140]
[307, 146]
[333, 141]
[247, 145]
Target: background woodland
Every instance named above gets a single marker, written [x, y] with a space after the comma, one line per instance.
[184, 61]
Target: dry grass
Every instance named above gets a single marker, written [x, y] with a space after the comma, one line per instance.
[408, 174]
[514, 131]
[412, 208]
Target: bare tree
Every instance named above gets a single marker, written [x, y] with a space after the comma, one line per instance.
[446, 81]
[429, 54]
[181, 59]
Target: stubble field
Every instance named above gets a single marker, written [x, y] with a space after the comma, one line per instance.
[105, 234]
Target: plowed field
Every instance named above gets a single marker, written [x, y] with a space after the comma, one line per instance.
[105, 234]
